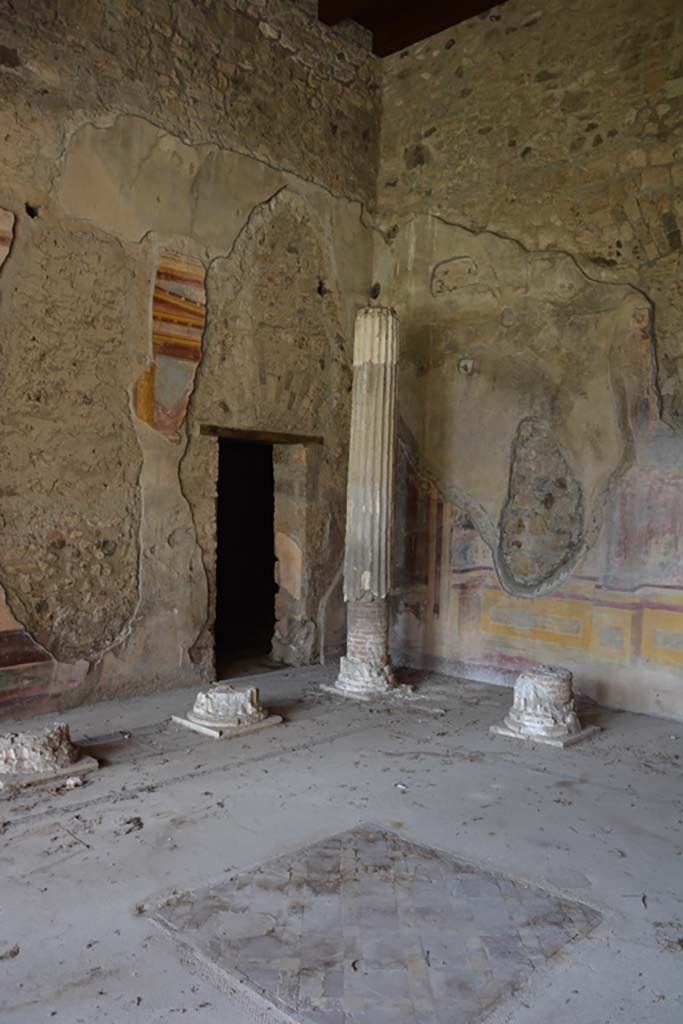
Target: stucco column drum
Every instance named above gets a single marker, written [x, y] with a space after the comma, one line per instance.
[365, 672]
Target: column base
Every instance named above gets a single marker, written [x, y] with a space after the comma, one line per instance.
[362, 680]
[544, 710]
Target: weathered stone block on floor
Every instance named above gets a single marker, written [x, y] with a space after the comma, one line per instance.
[226, 710]
[544, 709]
[32, 757]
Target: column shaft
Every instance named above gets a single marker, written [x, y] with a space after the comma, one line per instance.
[366, 669]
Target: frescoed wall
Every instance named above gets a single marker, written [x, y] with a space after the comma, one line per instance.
[624, 642]
[182, 245]
[531, 216]
[178, 317]
[540, 498]
[185, 244]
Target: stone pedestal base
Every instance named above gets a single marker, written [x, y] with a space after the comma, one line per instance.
[362, 680]
[544, 710]
[30, 758]
[365, 672]
[225, 710]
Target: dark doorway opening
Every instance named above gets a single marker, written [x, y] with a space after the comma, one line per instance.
[245, 585]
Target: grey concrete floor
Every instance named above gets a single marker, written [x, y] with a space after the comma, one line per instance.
[170, 811]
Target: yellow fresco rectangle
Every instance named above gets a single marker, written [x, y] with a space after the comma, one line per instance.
[662, 636]
[612, 632]
[565, 623]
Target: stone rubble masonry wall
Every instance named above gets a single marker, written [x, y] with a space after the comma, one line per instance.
[525, 222]
[559, 125]
[236, 140]
[530, 201]
[262, 77]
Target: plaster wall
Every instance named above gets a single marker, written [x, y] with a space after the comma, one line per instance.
[182, 246]
[530, 204]
[191, 213]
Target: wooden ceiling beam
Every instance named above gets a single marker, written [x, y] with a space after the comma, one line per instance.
[420, 21]
[333, 11]
[396, 24]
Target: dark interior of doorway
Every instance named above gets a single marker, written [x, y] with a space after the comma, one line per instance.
[245, 586]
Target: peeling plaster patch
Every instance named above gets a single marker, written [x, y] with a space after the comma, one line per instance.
[294, 641]
[178, 316]
[6, 234]
[172, 604]
[17, 648]
[289, 556]
[546, 343]
[275, 359]
[132, 177]
[67, 444]
[541, 525]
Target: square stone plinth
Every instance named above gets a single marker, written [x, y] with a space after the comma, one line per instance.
[367, 928]
[226, 734]
[83, 766]
[550, 741]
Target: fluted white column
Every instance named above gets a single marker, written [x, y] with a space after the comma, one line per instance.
[366, 670]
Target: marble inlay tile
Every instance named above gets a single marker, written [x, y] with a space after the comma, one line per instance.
[366, 928]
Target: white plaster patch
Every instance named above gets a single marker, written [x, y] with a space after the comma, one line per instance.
[290, 564]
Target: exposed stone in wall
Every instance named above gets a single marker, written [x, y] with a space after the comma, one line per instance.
[264, 78]
[276, 359]
[560, 125]
[294, 641]
[411, 524]
[169, 124]
[71, 507]
[541, 525]
[18, 650]
[493, 337]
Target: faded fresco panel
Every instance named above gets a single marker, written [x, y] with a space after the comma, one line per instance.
[178, 316]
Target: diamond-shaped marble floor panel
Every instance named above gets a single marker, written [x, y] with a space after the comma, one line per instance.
[366, 927]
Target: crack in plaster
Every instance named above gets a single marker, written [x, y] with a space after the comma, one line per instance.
[593, 517]
[197, 376]
[96, 229]
[108, 122]
[259, 214]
